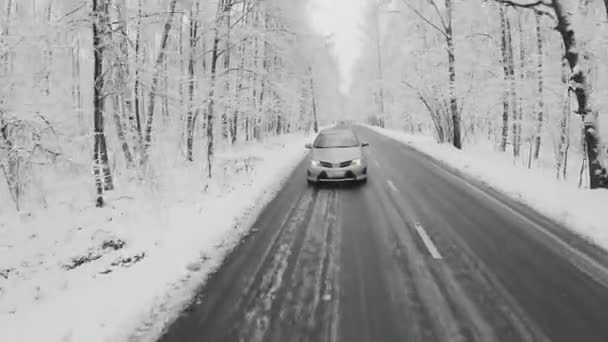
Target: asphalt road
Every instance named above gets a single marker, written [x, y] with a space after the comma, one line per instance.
[419, 253]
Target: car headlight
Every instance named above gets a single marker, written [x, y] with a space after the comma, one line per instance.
[315, 163]
[356, 162]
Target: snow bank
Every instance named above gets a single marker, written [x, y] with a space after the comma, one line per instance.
[123, 271]
[581, 210]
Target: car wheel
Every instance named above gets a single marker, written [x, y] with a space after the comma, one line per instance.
[311, 183]
[363, 181]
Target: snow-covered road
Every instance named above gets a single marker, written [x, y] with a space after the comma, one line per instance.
[420, 253]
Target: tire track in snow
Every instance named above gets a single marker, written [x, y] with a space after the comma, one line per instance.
[265, 289]
[294, 318]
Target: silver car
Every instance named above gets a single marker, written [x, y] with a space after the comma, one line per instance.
[337, 156]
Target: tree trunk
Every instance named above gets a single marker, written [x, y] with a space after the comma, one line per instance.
[211, 95]
[582, 89]
[123, 79]
[48, 55]
[119, 81]
[136, 88]
[564, 142]
[456, 139]
[165, 98]
[506, 74]
[382, 118]
[103, 178]
[314, 102]
[155, 82]
[191, 120]
[76, 91]
[512, 81]
[226, 20]
[517, 120]
[263, 80]
[237, 93]
[539, 118]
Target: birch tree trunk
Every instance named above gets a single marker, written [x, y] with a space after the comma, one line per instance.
[226, 20]
[579, 83]
[564, 142]
[512, 81]
[237, 92]
[103, 178]
[136, 88]
[506, 75]
[381, 119]
[452, 71]
[314, 102]
[120, 79]
[517, 119]
[539, 71]
[211, 94]
[124, 70]
[191, 119]
[76, 91]
[48, 54]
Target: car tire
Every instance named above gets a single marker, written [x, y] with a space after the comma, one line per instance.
[311, 183]
[363, 181]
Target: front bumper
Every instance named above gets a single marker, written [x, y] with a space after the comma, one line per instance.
[343, 174]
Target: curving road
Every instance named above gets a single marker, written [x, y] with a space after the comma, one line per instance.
[420, 253]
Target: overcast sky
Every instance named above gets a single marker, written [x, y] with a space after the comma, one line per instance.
[342, 19]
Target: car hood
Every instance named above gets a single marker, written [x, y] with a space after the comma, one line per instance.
[336, 155]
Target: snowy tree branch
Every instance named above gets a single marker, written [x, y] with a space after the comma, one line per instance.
[425, 19]
[525, 5]
[443, 24]
[535, 6]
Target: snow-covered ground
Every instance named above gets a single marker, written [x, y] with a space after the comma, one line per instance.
[123, 271]
[581, 210]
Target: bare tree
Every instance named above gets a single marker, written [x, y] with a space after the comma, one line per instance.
[192, 113]
[505, 49]
[121, 92]
[517, 120]
[579, 82]
[445, 28]
[160, 60]
[103, 178]
[212, 85]
[137, 90]
[315, 122]
[564, 142]
[541, 103]
[380, 76]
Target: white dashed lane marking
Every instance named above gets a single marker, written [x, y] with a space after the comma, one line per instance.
[428, 242]
[391, 185]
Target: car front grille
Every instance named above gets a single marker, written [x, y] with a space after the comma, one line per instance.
[336, 165]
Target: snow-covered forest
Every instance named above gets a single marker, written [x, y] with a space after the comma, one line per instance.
[141, 141]
[494, 73]
[99, 95]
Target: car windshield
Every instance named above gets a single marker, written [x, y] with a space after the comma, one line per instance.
[336, 140]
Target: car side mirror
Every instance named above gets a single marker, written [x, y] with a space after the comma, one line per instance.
[308, 146]
[364, 144]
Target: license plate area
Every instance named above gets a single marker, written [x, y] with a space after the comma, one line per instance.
[335, 174]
